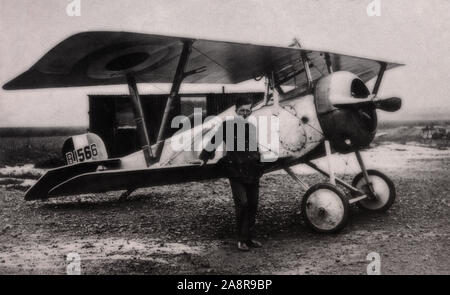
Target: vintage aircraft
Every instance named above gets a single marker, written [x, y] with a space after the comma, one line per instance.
[320, 99]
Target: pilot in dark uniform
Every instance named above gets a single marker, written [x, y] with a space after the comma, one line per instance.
[242, 163]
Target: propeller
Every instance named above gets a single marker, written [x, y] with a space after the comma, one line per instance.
[391, 104]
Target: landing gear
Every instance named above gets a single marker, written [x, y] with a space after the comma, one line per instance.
[325, 208]
[381, 195]
[124, 196]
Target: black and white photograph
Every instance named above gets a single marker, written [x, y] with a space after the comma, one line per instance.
[207, 137]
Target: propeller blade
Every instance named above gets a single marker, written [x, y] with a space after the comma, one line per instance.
[391, 104]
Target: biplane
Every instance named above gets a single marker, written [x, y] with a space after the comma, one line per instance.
[320, 99]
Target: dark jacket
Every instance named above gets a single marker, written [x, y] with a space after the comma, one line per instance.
[242, 159]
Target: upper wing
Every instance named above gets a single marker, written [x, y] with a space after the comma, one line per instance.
[104, 58]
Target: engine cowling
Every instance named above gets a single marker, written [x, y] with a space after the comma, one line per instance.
[356, 123]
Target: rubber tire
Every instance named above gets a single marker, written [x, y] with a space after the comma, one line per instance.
[338, 192]
[390, 184]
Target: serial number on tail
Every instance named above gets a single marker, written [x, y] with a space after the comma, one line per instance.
[82, 154]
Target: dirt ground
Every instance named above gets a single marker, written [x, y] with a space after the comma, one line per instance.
[189, 229]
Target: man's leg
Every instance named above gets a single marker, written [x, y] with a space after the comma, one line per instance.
[253, 198]
[241, 206]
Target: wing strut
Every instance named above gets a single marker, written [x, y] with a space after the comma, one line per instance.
[379, 78]
[328, 62]
[141, 128]
[305, 62]
[307, 69]
[178, 78]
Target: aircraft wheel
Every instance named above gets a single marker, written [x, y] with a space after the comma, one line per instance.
[325, 208]
[384, 189]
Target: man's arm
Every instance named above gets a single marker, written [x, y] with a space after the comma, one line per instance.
[210, 149]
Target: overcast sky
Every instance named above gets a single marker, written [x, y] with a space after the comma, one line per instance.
[412, 32]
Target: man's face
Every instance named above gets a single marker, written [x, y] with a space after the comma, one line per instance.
[244, 110]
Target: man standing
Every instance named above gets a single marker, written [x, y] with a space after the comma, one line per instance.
[242, 162]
